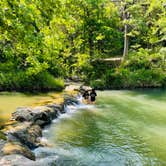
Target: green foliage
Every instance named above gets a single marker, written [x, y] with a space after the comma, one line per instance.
[54, 37]
[143, 69]
[142, 78]
[43, 40]
[98, 84]
[23, 82]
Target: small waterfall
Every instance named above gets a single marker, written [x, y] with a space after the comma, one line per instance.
[48, 155]
[72, 106]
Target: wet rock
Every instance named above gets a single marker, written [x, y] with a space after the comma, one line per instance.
[84, 88]
[2, 143]
[43, 114]
[44, 142]
[19, 160]
[57, 109]
[23, 114]
[72, 87]
[2, 136]
[15, 160]
[17, 148]
[39, 115]
[26, 133]
[69, 100]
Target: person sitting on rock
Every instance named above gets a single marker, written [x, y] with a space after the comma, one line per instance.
[93, 95]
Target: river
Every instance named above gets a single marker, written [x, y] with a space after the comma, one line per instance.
[123, 128]
[9, 101]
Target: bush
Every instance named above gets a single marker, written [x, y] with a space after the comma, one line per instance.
[144, 68]
[124, 78]
[45, 81]
[23, 82]
[98, 84]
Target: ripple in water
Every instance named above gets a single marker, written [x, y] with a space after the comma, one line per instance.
[124, 128]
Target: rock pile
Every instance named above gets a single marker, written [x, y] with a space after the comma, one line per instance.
[25, 135]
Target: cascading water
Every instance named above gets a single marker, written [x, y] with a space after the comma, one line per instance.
[48, 155]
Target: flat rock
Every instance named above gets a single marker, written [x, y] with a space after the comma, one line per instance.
[17, 148]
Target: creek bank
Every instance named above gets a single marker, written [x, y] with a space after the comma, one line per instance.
[25, 133]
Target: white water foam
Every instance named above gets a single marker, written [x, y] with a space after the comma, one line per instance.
[71, 109]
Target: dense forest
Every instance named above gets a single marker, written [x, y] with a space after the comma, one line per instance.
[42, 43]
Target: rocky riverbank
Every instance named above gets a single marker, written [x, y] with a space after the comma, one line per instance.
[25, 133]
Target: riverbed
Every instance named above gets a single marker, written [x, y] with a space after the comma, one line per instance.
[122, 128]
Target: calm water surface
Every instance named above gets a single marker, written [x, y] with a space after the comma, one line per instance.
[124, 128]
[9, 101]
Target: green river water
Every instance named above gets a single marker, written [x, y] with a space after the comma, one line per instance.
[123, 128]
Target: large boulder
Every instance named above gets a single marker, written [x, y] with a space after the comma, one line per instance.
[17, 148]
[26, 133]
[39, 115]
[43, 115]
[23, 114]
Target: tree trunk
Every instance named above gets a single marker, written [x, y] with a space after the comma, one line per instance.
[126, 41]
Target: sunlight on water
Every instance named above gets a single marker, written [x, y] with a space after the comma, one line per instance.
[9, 101]
[123, 128]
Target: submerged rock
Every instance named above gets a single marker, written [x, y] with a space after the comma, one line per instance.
[15, 160]
[69, 100]
[17, 148]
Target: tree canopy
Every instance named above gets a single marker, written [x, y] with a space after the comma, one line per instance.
[44, 40]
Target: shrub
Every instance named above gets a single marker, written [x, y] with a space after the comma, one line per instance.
[23, 82]
[98, 84]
